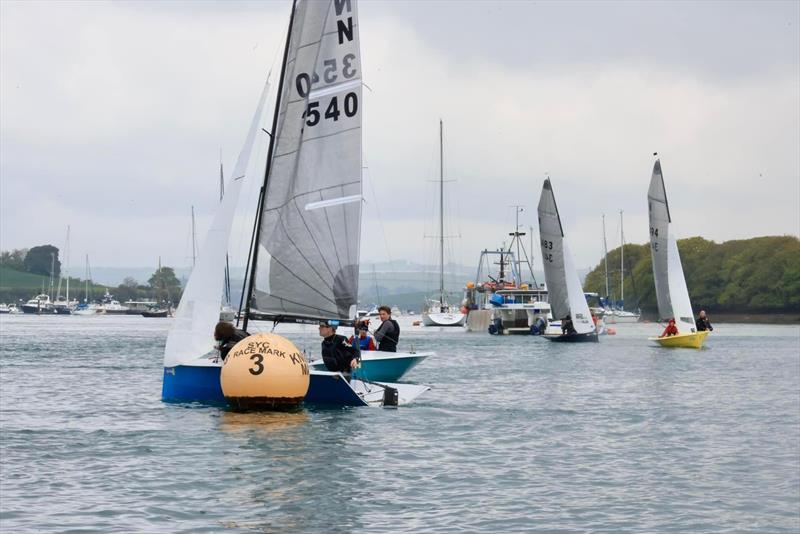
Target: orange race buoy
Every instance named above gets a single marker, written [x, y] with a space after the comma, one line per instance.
[264, 372]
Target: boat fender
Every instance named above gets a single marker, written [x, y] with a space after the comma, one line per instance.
[391, 396]
[493, 329]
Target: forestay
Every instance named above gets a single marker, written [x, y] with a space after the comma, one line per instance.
[308, 248]
[671, 290]
[191, 334]
[563, 285]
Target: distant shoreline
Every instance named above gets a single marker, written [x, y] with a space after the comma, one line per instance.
[755, 318]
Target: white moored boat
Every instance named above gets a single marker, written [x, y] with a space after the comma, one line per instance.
[438, 312]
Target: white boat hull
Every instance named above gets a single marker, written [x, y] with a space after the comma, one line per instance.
[443, 319]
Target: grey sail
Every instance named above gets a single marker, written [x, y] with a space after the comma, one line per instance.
[659, 235]
[307, 251]
[552, 242]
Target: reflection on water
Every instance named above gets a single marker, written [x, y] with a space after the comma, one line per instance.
[266, 423]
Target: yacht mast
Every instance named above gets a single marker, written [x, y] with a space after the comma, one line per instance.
[194, 241]
[621, 262]
[605, 252]
[441, 214]
[253, 259]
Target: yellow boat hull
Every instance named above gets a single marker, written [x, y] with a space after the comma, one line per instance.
[692, 340]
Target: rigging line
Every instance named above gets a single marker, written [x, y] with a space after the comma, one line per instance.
[300, 252]
[268, 168]
[322, 312]
[292, 273]
[319, 250]
[380, 219]
[344, 216]
[335, 248]
[317, 138]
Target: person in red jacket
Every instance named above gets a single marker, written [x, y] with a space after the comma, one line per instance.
[670, 330]
[365, 341]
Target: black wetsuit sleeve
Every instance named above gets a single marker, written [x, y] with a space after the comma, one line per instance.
[386, 329]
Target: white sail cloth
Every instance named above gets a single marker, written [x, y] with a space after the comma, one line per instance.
[671, 291]
[563, 285]
[192, 331]
[308, 249]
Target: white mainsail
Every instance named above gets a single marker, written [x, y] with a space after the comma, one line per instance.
[191, 334]
[563, 285]
[671, 291]
[307, 254]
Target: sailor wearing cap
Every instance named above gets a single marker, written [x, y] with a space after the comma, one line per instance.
[337, 353]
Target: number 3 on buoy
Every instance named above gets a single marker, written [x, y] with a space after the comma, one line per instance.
[258, 360]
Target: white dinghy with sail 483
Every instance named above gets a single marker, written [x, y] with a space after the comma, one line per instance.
[567, 300]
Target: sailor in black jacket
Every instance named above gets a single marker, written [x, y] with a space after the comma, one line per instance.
[388, 333]
[702, 323]
[337, 353]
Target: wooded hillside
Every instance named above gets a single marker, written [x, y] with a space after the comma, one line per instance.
[758, 275]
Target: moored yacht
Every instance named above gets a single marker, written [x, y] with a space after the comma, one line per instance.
[111, 306]
[38, 304]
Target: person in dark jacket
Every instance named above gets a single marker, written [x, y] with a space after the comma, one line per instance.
[226, 336]
[388, 333]
[337, 353]
[567, 327]
[702, 323]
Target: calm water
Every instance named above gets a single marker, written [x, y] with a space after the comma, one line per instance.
[518, 434]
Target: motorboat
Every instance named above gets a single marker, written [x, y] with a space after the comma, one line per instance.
[40, 304]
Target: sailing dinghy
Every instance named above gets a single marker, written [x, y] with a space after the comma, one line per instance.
[563, 285]
[305, 258]
[671, 291]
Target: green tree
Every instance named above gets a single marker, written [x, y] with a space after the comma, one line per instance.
[41, 259]
[14, 259]
[165, 284]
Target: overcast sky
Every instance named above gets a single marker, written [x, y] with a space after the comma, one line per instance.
[112, 117]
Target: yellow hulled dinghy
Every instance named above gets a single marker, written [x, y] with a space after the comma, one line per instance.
[671, 291]
[689, 340]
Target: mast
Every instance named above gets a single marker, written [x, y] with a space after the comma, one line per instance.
[52, 272]
[86, 282]
[621, 262]
[227, 259]
[441, 214]
[194, 241]
[262, 193]
[605, 252]
[221, 178]
[66, 263]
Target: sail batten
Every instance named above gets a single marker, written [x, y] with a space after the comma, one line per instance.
[307, 258]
